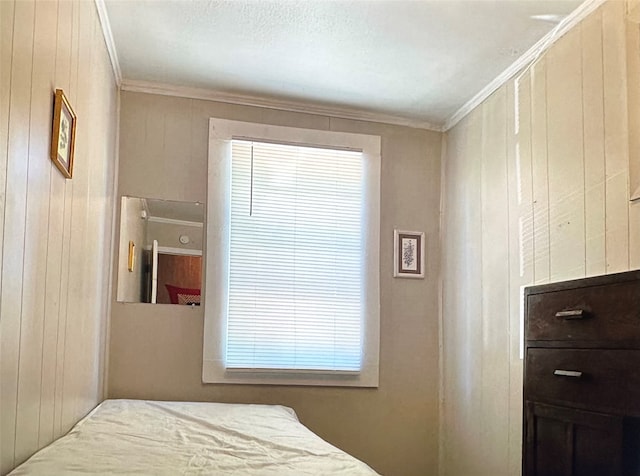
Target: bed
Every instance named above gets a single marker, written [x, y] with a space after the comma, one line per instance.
[188, 438]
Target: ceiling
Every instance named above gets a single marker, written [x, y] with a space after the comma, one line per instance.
[421, 60]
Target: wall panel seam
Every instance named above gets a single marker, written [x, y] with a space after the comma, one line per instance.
[6, 164]
[46, 272]
[24, 238]
[4, 224]
[533, 206]
[43, 297]
[584, 159]
[58, 387]
[44, 317]
[548, 188]
[56, 403]
[510, 123]
[66, 322]
[604, 141]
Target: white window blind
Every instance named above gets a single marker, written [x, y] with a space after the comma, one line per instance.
[296, 258]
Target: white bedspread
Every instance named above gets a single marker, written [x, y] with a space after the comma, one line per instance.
[186, 438]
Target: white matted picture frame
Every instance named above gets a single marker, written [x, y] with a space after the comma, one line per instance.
[408, 254]
[63, 137]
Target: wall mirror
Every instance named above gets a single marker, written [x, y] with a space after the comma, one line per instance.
[160, 251]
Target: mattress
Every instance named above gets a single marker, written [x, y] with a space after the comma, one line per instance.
[188, 438]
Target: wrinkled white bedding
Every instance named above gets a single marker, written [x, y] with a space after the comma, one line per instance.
[185, 438]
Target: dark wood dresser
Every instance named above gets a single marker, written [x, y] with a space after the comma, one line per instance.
[582, 377]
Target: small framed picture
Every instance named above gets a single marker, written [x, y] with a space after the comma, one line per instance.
[408, 254]
[63, 136]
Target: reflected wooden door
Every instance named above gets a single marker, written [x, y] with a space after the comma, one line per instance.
[178, 270]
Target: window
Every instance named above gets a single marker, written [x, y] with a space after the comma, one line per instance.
[292, 288]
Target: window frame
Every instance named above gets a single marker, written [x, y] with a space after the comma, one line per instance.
[221, 133]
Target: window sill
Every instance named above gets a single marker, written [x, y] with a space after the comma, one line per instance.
[214, 372]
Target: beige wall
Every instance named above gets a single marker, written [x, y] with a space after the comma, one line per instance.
[536, 186]
[56, 238]
[156, 351]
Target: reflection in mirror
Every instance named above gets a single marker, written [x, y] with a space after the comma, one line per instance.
[160, 255]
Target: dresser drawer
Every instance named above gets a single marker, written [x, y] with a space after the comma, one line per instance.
[598, 380]
[597, 313]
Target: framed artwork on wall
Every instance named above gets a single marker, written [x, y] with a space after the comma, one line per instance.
[408, 254]
[63, 136]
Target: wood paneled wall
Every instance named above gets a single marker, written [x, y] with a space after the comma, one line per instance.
[56, 239]
[536, 186]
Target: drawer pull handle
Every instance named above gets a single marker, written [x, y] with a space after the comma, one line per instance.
[567, 373]
[572, 314]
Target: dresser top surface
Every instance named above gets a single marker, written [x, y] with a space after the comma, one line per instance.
[604, 280]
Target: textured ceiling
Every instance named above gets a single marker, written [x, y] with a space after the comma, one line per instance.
[421, 60]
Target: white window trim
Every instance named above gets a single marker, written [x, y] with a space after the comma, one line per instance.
[221, 133]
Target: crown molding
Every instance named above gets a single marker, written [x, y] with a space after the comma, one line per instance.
[531, 55]
[273, 103]
[108, 40]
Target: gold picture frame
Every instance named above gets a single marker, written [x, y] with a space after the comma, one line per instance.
[131, 261]
[63, 137]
